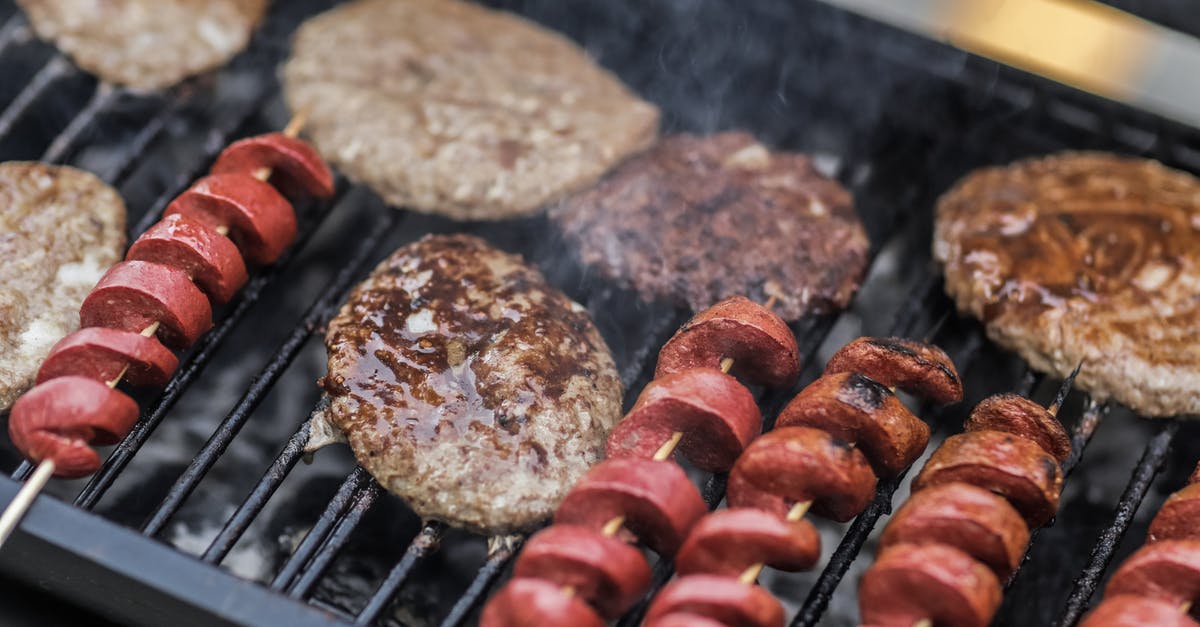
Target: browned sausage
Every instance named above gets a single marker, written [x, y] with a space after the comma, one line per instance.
[728, 541]
[794, 464]
[602, 570]
[916, 367]
[1179, 517]
[723, 599]
[132, 295]
[103, 354]
[762, 347]
[295, 167]
[970, 519]
[1023, 418]
[660, 505]
[909, 583]
[717, 416]
[1013, 467]
[210, 258]
[862, 412]
[60, 418]
[260, 221]
[1136, 611]
[528, 602]
[1168, 570]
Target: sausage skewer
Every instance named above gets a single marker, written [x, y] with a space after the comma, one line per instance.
[219, 287]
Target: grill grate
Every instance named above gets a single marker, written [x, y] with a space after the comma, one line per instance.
[893, 159]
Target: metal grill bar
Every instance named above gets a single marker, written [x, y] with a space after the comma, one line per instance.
[58, 67]
[1143, 475]
[312, 540]
[102, 97]
[318, 313]
[12, 30]
[483, 581]
[334, 543]
[426, 543]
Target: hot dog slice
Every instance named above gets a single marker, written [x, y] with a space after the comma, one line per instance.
[103, 354]
[132, 295]
[916, 367]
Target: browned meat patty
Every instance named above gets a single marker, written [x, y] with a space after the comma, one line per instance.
[146, 44]
[448, 107]
[698, 219]
[60, 230]
[1084, 257]
[468, 386]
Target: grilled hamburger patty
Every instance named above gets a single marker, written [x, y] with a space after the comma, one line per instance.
[1084, 257]
[468, 386]
[448, 107]
[146, 44]
[60, 230]
[698, 219]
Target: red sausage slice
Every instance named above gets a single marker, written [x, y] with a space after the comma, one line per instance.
[762, 347]
[528, 602]
[909, 583]
[1013, 467]
[211, 259]
[1179, 517]
[659, 503]
[728, 541]
[1135, 611]
[132, 295]
[260, 221]
[723, 599]
[970, 519]
[794, 464]
[604, 571]
[863, 412]
[1023, 418]
[61, 418]
[717, 416]
[294, 165]
[1168, 570]
[103, 354]
[916, 367]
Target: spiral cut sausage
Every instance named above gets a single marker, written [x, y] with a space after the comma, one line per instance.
[161, 298]
[964, 530]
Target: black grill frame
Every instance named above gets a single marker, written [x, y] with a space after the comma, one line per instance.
[48, 549]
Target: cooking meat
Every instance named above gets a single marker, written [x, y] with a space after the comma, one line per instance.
[1084, 257]
[448, 107]
[146, 44]
[60, 230]
[468, 386]
[697, 219]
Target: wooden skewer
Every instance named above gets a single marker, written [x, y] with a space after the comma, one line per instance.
[20, 504]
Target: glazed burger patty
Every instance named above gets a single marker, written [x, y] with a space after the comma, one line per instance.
[146, 44]
[60, 230]
[698, 219]
[447, 107]
[468, 386]
[1084, 257]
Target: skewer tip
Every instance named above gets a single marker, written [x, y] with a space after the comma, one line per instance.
[20, 504]
[1063, 390]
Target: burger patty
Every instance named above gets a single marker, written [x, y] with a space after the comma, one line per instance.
[146, 44]
[1085, 258]
[468, 386]
[60, 230]
[698, 219]
[448, 107]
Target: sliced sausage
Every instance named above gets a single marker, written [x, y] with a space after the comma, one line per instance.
[1013, 467]
[795, 464]
[602, 570]
[723, 599]
[295, 166]
[660, 505]
[1179, 517]
[717, 416]
[762, 347]
[916, 367]
[103, 354]
[1023, 418]
[211, 259]
[863, 412]
[970, 519]
[260, 221]
[132, 295]
[728, 541]
[61, 418]
[1168, 570]
[909, 583]
[528, 602]
[1136, 611]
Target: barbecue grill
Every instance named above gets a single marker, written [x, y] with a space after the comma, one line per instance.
[205, 513]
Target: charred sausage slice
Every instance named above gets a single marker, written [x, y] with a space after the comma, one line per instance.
[916, 367]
